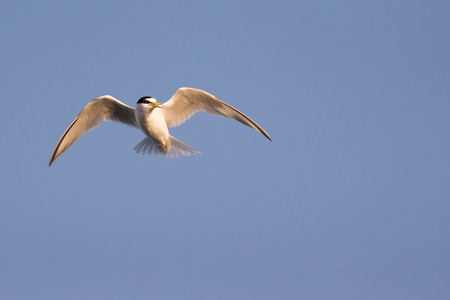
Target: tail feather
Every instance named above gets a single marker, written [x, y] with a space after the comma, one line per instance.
[177, 148]
[147, 146]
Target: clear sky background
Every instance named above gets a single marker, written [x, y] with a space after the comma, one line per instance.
[351, 200]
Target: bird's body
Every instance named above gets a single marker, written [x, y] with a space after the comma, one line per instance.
[152, 122]
[153, 118]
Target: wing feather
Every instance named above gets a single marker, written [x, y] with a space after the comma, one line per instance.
[98, 110]
[187, 101]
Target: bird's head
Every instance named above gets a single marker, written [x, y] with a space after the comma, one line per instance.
[148, 102]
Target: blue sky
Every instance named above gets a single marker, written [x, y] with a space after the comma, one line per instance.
[351, 200]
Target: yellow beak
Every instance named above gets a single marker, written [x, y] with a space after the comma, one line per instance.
[156, 104]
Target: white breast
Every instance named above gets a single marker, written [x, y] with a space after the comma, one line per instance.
[152, 122]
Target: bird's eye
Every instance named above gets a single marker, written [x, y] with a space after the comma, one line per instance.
[145, 100]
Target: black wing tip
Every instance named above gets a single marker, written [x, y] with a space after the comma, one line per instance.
[266, 135]
[52, 160]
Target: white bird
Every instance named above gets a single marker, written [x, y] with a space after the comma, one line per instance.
[153, 118]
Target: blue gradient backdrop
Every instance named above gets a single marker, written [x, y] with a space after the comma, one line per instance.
[351, 200]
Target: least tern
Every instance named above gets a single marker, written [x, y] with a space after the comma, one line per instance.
[153, 118]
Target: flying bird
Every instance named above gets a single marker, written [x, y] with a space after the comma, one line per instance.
[153, 118]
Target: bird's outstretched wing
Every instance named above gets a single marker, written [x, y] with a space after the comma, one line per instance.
[187, 101]
[98, 110]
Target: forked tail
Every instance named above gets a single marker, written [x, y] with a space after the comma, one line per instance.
[177, 148]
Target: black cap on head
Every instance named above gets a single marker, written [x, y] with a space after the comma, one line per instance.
[145, 99]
